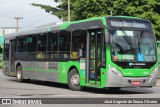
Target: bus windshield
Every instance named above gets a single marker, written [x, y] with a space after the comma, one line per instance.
[132, 45]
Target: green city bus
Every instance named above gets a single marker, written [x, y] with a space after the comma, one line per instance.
[103, 52]
[158, 52]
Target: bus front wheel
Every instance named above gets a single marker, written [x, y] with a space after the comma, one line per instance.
[19, 75]
[74, 80]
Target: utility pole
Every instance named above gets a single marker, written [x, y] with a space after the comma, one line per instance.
[17, 22]
[69, 11]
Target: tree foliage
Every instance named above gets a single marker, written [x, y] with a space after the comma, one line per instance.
[82, 9]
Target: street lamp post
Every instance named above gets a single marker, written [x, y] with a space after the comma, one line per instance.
[17, 22]
[69, 13]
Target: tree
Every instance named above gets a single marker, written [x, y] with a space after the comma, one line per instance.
[61, 11]
[82, 9]
[147, 9]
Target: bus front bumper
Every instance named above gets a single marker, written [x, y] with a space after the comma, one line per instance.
[114, 80]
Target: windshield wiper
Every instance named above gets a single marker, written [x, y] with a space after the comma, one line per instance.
[140, 38]
[127, 38]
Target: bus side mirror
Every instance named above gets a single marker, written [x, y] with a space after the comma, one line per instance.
[107, 38]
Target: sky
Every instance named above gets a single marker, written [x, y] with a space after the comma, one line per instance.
[32, 16]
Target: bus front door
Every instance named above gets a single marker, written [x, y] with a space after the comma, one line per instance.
[12, 58]
[94, 46]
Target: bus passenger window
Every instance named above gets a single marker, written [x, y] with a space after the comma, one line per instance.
[6, 50]
[21, 46]
[64, 44]
[78, 44]
[32, 43]
[42, 46]
[52, 51]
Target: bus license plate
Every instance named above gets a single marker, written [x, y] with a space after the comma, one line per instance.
[136, 83]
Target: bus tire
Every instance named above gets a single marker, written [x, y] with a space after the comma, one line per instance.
[74, 80]
[19, 74]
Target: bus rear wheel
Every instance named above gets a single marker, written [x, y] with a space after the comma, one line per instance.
[19, 75]
[74, 80]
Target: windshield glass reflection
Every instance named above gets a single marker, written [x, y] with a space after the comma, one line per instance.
[132, 45]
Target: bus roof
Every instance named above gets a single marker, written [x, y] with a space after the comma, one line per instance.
[126, 17]
[33, 31]
[97, 22]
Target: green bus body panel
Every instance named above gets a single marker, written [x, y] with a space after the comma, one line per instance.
[135, 72]
[103, 77]
[64, 68]
[129, 72]
[65, 25]
[103, 19]
[1, 40]
[158, 53]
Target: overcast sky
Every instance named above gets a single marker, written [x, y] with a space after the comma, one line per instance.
[32, 16]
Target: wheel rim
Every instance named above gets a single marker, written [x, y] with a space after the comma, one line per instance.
[75, 79]
[19, 74]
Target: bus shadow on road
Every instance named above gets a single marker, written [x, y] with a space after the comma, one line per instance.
[121, 91]
[43, 83]
[91, 90]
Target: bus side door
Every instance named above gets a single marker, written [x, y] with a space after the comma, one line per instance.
[94, 49]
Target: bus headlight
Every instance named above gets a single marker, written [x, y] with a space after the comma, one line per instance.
[154, 72]
[116, 71]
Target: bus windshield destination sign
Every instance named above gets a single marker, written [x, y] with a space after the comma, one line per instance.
[125, 23]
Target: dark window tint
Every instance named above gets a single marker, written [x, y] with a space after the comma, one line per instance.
[6, 50]
[42, 43]
[42, 46]
[53, 46]
[21, 45]
[78, 48]
[64, 44]
[31, 43]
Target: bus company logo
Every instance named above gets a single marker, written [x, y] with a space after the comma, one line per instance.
[137, 64]
[6, 101]
[130, 64]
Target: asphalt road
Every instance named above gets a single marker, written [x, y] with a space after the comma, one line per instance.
[10, 88]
